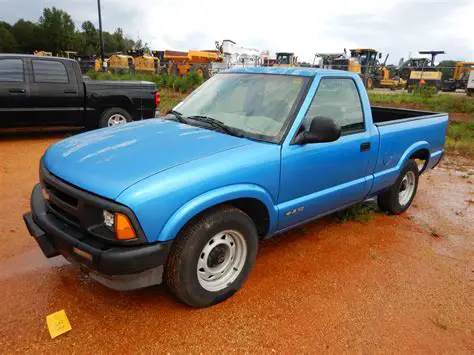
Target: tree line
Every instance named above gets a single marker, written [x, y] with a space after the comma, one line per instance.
[56, 32]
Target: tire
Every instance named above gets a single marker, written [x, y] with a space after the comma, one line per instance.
[120, 114]
[399, 197]
[193, 256]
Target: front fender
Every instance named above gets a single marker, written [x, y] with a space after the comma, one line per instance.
[213, 198]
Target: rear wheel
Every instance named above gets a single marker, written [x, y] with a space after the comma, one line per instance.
[399, 197]
[212, 257]
[113, 117]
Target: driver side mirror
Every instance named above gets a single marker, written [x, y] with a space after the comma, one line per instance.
[322, 130]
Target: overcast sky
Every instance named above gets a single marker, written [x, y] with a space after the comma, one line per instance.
[398, 27]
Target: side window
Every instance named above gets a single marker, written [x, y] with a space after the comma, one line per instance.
[11, 70]
[338, 99]
[49, 71]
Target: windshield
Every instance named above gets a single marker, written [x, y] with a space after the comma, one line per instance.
[260, 105]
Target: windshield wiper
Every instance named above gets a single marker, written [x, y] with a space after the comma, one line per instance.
[218, 124]
[177, 115]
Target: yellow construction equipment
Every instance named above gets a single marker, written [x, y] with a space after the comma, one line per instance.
[460, 77]
[182, 63]
[43, 53]
[144, 63]
[121, 63]
[285, 60]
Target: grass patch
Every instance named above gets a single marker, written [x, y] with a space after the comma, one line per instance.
[438, 103]
[374, 255]
[460, 139]
[362, 213]
[169, 99]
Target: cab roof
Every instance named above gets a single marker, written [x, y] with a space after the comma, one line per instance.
[297, 71]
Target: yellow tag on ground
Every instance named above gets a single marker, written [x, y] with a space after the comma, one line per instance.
[58, 323]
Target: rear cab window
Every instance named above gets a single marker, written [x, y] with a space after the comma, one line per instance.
[11, 70]
[337, 98]
[49, 71]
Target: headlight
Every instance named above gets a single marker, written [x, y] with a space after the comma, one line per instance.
[109, 219]
[120, 224]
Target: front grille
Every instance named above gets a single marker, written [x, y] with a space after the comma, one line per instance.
[83, 211]
[64, 215]
[70, 200]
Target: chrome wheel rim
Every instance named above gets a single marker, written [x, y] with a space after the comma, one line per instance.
[221, 260]
[116, 119]
[407, 188]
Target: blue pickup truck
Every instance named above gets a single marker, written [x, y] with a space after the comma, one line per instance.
[253, 152]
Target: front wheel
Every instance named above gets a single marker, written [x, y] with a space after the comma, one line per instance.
[399, 197]
[212, 257]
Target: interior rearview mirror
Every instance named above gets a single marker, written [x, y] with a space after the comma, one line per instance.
[322, 130]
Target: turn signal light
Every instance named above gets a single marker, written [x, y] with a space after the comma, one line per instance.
[123, 227]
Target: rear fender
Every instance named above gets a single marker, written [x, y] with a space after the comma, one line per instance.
[216, 197]
[386, 178]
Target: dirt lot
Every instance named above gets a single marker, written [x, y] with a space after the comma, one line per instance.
[393, 284]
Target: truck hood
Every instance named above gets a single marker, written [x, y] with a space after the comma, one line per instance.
[109, 160]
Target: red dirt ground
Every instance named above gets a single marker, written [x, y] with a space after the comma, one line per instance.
[393, 284]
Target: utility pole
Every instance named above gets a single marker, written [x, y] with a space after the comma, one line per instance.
[101, 38]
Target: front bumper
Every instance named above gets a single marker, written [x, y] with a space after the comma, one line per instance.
[117, 267]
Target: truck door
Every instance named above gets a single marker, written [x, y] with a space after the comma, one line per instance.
[14, 92]
[321, 177]
[55, 93]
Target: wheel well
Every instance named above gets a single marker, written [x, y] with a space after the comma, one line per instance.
[422, 154]
[256, 210]
[122, 102]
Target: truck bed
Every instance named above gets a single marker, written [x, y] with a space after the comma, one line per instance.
[390, 115]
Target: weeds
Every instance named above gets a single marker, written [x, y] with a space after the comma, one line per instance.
[374, 255]
[460, 138]
[362, 213]
[169, 99]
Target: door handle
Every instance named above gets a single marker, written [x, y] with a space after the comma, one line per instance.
[365, 147]
[70, 91]
[17, 91]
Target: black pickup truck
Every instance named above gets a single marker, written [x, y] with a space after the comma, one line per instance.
[38, 91]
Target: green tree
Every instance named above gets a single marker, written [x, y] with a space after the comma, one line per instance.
[90, 37]
[5, 25]
[28, 35]
[8, 43]
[59, 30]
